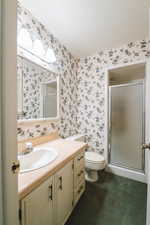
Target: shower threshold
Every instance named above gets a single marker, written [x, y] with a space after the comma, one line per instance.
[124, 172]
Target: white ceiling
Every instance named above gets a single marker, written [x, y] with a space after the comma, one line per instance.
[88, 26]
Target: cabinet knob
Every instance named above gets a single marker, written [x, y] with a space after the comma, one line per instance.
[60, 183]
[80, 189]
[80, 173]
[80, 158]
[50, 192]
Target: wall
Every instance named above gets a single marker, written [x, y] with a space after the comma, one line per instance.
[83, 86]
[66, 67]
[91, 97]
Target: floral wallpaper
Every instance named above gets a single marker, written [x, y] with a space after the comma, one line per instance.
[66, 67]
[82, 84]
[27, 131]
[91, 88]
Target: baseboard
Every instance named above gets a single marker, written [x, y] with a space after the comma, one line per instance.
[123, 172]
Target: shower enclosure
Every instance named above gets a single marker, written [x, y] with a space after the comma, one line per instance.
[126, 125]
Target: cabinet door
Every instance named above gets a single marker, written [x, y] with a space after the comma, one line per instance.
[37, 207]
[64, 193]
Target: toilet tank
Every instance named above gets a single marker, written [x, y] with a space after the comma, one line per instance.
[78, 137]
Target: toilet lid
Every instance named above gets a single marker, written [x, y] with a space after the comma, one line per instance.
[94, 157]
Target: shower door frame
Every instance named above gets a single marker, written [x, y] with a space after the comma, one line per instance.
[133, 83]
[125, 172]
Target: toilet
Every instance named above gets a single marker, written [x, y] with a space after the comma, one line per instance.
[94, 162]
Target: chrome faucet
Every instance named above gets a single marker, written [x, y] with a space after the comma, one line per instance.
[29, 148]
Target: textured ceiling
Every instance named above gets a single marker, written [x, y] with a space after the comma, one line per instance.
[88, 26]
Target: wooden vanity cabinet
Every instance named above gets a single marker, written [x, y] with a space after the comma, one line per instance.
[37, 207]
[53, 201]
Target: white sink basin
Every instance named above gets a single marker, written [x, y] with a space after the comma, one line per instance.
[38, 158]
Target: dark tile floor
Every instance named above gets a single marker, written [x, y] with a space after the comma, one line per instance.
[113, 200]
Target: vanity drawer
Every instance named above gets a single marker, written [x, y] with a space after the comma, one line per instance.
[79, 191]
[79, 176]
[79, 160]
[79, 169]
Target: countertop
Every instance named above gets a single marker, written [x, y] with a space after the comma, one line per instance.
[67, 150]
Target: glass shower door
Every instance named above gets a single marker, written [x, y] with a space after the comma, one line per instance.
[126, 124]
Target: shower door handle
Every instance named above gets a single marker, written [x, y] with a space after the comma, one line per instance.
[145, 146]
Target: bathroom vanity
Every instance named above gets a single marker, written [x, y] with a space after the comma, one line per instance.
[49, 194]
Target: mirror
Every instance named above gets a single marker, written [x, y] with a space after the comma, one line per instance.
[38, 86]
[48, 102]
[38, 91]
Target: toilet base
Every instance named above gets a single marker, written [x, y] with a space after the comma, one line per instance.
[91, 176]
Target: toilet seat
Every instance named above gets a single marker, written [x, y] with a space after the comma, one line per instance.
[90, 161]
